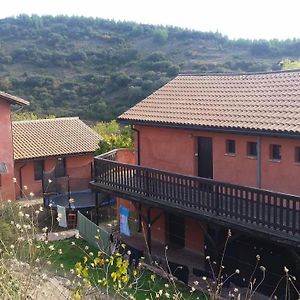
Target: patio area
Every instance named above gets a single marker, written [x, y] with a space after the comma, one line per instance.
[187, 261]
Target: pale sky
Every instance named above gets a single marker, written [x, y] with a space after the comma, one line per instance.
[252, 19]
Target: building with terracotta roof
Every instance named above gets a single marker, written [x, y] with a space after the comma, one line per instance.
[64, 146]
[7, 186]
[214, 152]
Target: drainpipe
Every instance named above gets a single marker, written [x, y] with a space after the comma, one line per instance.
[138, 145]
[92, 170]
[258, 163]
[139, 163]
[21, 180]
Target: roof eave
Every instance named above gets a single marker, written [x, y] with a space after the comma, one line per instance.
[13, 99]
[19, 159]
[233, 130]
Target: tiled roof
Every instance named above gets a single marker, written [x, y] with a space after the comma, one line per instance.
[13, 99]
[258, 101]
[52, 137]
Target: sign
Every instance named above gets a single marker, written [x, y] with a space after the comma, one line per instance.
[3, 168]
[124, 227]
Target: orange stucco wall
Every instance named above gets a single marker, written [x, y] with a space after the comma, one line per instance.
[6, 152]
[166, 149]
[125, 156]
[281, 176]
[194, 236]
[77, 167]
[174, 150]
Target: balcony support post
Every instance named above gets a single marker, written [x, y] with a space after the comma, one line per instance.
[139, 209]
[149, 229]
[97, 208]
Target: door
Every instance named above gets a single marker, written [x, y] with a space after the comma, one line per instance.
[176, 228]
[205, 157]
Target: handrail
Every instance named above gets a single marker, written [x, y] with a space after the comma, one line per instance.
[110, 155]
[262, 208]
[106, 157]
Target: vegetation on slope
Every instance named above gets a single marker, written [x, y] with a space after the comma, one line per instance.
[97, 68]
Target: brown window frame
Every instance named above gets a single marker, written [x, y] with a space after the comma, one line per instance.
[229, 145]
[250, 149]
[275, 154]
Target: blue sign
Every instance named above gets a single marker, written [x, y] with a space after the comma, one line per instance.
[124, 227]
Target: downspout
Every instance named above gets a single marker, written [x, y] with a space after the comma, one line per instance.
[258, 163]
[139, 163]
[138, 145]
[21, 181]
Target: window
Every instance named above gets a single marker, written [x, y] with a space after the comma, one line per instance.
[230, 146]
[297, 154]
[252, 149]
[60, 168]
[38, 169]
[275, 152]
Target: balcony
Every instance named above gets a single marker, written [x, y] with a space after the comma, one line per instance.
[256, 211]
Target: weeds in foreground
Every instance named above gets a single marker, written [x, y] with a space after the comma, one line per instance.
[25, 267]
[115, 276]
[215, 286]
[23, 258]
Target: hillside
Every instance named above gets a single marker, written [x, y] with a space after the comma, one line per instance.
[97, 68]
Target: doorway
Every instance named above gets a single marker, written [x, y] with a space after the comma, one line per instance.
[176, 230]
[205, 157]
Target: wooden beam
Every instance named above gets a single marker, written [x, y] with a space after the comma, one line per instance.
[207, 235]
[157, 217]
[139, 217]
[138, 207]
[234, 237]
[149, 229]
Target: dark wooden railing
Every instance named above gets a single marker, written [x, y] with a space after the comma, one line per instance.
[262, 209]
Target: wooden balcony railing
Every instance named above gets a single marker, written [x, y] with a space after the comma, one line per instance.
[252, 208]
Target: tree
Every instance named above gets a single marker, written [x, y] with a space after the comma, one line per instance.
[113, 136]
[161, 35]
[288, 64]
[29, 116]
[5, 84]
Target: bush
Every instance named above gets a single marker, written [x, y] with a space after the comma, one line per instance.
[113, 137]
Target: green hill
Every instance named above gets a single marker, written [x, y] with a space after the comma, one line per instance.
[97, 68]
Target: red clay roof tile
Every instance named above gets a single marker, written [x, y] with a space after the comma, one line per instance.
[263, 101]
[52, 137]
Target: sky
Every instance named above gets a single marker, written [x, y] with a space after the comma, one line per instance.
[252, 19]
